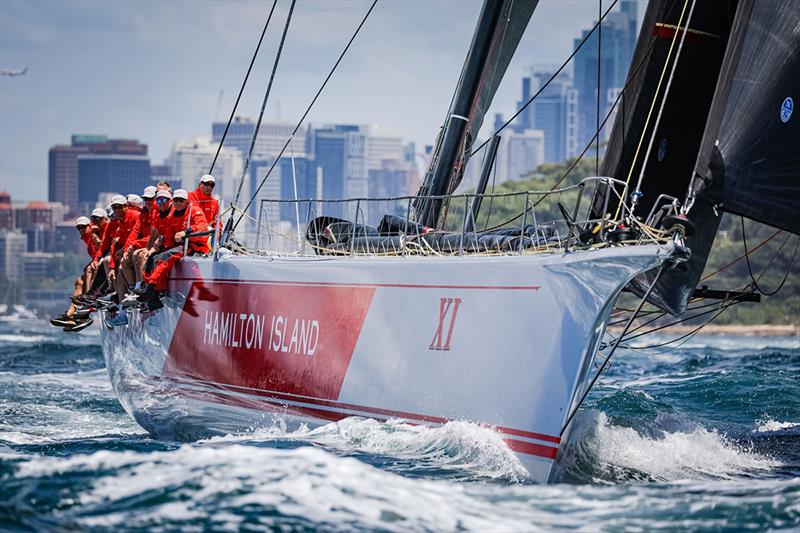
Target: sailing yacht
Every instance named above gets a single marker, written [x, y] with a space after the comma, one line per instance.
[426, 318]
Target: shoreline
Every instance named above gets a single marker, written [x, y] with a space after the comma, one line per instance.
[744, 330]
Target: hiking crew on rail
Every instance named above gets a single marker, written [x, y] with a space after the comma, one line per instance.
[133, 245]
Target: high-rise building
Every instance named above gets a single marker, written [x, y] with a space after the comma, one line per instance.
[617, 41]
[341, 158]
[189, 160]
[519, 154]
[62, 182]
[272, 137]
[12, 245]
[103, 165]
[6, 212]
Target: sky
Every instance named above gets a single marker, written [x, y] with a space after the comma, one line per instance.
[154, 70]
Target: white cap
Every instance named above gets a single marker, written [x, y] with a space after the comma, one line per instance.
[118, 200]
[100, 212]
[149, 192]
[207, 178]
[82, 221]
[180, 193]
[163, 193]
[135, 199]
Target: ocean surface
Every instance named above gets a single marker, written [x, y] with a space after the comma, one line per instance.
[701, 437]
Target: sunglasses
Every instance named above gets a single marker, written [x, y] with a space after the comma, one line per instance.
[207, 184]
[161, 200]
[95, 219]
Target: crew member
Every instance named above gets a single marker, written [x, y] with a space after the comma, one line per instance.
[126, 219]
[201, 197]
[141, 240]
[67, 320]
[173, 222]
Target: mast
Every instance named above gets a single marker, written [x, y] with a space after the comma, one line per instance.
[497, 34]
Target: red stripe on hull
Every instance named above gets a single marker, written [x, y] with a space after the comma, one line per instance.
[389, 413]
[540, 450]
[369, 285]
[528, 448]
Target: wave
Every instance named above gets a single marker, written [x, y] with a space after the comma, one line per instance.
[768, 425]
[229, 485]
[600, 451]
[455, 449]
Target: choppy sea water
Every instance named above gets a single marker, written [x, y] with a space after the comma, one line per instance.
[704, 437]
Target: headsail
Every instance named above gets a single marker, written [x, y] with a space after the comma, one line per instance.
[666, 167]
[750, 159]
[497, 35]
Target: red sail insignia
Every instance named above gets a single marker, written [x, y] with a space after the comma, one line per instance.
[296, 339]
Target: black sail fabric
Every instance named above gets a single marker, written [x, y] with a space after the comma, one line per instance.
[750, 163]
[497, 35]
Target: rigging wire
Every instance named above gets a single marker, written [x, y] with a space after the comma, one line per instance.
[750, 269]
[730, 264]
[663, 104]
[613, 349]
[652, 106]
[544, 86]
[305, 114]
[599, 60]
[586, 148]
[264, 101]
[241, 90]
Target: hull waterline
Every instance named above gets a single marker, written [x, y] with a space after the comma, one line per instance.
[246, 342]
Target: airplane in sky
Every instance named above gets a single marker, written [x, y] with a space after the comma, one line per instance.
[17, 72]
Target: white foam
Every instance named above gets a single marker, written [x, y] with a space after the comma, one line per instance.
[26, 339]
[458, 445]
[688, 452]
[223, 484]
[767, 424]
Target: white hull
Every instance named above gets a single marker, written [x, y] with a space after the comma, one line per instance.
[503, 341]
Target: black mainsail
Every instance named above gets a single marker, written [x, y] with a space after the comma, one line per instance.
[750, 159]
[497, 35]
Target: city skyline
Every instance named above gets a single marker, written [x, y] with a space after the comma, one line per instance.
[137, 92]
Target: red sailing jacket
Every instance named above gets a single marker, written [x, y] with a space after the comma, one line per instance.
[167, 226]
[108, 237]
[140, 234]
[123, 231]
[208, 204]
[91, 240]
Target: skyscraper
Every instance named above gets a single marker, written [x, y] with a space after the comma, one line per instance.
[115, 165]
[272, 136]
[189, 160]
[553, 112]
[341, 153]
[617, 42]
[519, 154]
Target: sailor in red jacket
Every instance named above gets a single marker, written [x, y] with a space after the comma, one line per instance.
[201, 197]
[126, 218]
[141, 239]
[173, 222]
